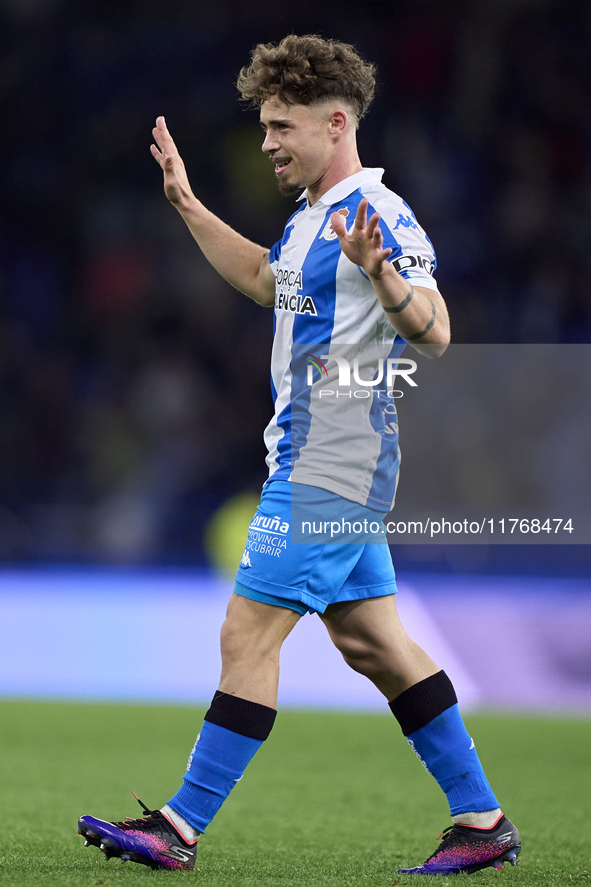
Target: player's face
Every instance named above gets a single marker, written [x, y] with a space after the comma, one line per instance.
[298, 141]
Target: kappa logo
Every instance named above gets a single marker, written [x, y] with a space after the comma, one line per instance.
[405, 222]
[245, 560]
[327, 232]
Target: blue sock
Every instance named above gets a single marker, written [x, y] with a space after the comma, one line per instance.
[218, 760]
[447, 752]
[430, 719]
[233, 731]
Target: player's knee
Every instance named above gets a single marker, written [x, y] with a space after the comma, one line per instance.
[232, 641]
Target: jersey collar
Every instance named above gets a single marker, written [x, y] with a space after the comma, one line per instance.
[341, 190]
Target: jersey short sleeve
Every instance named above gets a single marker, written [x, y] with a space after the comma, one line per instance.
[412, 255]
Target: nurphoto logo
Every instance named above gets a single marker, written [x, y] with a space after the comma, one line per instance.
[389, 368]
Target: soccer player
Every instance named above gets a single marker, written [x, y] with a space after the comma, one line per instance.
[351, 281]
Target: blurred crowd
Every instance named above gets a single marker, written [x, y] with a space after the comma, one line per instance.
[133, 380]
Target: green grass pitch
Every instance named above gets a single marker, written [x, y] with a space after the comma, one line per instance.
[331, 799]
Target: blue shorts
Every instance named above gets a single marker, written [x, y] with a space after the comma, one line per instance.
[287, 568]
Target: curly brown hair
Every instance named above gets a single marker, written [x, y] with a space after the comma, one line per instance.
[308, 69]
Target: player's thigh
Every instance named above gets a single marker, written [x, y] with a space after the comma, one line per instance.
[373, 641]
[254, 626]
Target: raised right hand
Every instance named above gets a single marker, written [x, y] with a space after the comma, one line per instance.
[176, 183]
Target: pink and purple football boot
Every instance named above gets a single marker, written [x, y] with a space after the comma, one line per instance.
[151, 840]
[465, 848]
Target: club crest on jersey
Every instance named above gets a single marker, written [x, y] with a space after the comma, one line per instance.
[328, 233]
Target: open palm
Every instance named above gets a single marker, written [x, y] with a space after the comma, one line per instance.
[165, 152]
[364, 243]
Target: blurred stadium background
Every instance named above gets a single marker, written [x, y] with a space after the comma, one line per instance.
[134, 381]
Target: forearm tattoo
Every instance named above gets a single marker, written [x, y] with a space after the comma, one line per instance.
[405, 302]
[429, 326]
[395, 310]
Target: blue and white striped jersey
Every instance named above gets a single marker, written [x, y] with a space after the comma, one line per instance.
[335, 425]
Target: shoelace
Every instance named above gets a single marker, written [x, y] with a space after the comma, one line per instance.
[129, 822]
[447, 841]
